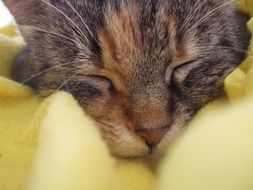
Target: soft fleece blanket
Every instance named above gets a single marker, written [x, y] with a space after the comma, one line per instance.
[50, 144]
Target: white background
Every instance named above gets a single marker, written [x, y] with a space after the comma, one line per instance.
[5, 16]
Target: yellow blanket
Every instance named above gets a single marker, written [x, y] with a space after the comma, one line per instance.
[52, 145]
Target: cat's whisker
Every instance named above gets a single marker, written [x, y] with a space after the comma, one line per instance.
[235, 49]
[63, 78]
[67, 17]
[52, 33]
[85, 75]
[88, 69]
[66, 81]
[191, 15]
[203, 19]
[44, 71]
[230, 48]
[82, 20]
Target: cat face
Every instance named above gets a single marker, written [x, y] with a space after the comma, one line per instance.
[141, 69]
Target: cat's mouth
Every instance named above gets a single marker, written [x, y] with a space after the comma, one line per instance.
[126, 143]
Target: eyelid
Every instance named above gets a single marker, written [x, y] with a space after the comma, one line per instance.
[103, 78]
[187, 63]
[172, 68]
[181, 72]
[97, 76]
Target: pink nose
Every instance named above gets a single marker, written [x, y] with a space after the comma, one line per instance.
[152, 136]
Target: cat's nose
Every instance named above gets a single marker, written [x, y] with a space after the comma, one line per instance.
[151, 136]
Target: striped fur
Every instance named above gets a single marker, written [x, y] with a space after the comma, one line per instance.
[131, 63]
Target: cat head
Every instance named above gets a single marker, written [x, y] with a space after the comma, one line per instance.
[141, 69]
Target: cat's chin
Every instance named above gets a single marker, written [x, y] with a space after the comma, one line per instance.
[132, 154]
[139, 149]
[122, 142]
[133, 148]
[138, 152]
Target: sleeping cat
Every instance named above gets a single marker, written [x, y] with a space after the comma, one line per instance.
[140, 68]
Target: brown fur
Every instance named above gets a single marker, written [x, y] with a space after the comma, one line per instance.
[132, 65]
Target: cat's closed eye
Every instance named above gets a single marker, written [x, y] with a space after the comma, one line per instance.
[181, 72]
[156, 62]
[101, 82]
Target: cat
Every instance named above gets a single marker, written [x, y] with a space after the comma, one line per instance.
[140, 68]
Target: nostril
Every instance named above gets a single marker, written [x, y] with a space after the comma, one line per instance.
[152, 136]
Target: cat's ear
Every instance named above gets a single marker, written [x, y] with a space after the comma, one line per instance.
[26, 12]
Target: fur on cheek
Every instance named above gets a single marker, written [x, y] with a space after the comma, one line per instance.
[115, 127]
[122, 141]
